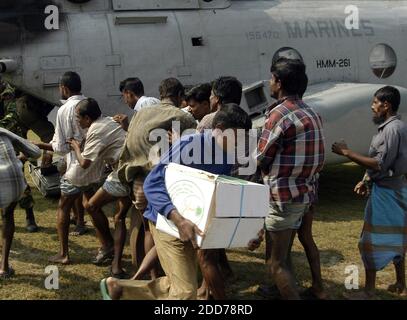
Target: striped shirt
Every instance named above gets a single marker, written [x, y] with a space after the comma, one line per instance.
[291, 152]
[12, 181]
[206, 122]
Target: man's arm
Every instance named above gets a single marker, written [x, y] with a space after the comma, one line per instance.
[27, 148]
[84, 163]
[56, 145]
[341, 148]
[157, 196]
[123, 120]
[44, 146]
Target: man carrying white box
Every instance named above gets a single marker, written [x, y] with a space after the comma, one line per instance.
[212, 152]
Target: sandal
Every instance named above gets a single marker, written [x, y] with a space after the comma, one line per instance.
[121, 275]
[31, 226]
[268, 291]
[309, 294]
[103, 257]
[79, 231]
[396, 288]
[104, 290]
[5, 275]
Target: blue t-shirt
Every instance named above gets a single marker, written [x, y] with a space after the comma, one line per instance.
[197, 151]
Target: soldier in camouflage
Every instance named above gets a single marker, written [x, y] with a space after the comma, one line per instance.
[19, 115]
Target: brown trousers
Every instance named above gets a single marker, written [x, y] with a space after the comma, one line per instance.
[179, 262]
[136, 222]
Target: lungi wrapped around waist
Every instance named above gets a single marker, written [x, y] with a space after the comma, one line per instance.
[384, 235]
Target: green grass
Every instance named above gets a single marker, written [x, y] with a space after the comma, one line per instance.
[337, 226]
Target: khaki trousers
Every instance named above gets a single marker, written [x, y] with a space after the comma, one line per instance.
[179, 262]
[137, 222]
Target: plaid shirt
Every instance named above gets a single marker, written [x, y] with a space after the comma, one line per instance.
[291, 151]
[12, 182]
[206, 122]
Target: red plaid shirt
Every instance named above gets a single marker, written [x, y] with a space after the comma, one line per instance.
[291, 151]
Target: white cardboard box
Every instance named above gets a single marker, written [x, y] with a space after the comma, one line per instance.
[229, 211]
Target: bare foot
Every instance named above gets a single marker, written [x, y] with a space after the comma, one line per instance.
[361, 295]
[6, 273]
[320, 294]
[59, 259]
[79, 231]
[203, 293]
[398, 288]
[115, 291]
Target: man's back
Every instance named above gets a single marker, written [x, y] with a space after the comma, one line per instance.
[389, 147]
[135, 158]
[104, 141]
[292, 150]
[400, 166]
[67, 126]
[111, 137]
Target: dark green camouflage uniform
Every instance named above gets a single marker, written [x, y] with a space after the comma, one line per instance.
[10, 119]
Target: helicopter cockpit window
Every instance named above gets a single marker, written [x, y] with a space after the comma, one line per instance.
[383, 60]
[287, 52]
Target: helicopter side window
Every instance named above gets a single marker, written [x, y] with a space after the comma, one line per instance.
[286, 52]
[383, 60]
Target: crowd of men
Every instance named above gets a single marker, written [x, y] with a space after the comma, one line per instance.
[117, 159]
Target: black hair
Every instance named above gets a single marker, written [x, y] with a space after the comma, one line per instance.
[228, 90]
[72, 81]
[121, 85]
[171, 87]
[89, 107]
[303, 86]
[231, 116]
[291, 74]
[389, 94]
[199, 93]
[134, 85]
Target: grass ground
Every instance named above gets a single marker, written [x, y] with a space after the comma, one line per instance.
[337, 226]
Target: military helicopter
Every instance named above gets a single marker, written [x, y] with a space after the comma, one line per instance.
[106, 41]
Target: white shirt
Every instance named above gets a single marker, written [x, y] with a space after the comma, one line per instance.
[145, 102]
[104, 142]
[67, 128]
